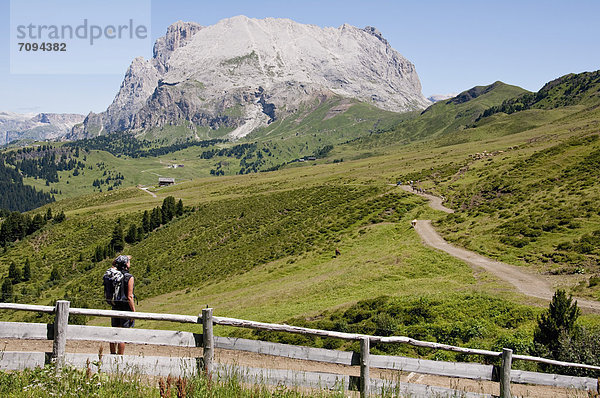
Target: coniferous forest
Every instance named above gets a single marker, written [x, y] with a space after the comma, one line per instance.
[14, 195]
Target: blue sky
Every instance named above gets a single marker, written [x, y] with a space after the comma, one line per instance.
[454, 45]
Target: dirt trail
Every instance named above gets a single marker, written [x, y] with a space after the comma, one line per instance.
[529, 284]
[435, 202]
[148, 192]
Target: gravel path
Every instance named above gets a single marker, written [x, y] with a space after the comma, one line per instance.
[527, 283]
[148, 192]
[435, 202]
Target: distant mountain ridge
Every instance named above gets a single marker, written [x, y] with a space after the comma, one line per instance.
[454, 114]
[440, 97]
[572, 89]
[241, 74]
[41, 126]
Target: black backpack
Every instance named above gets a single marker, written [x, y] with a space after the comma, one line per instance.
[114, 286]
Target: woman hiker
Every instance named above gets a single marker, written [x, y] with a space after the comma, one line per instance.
[122, 264]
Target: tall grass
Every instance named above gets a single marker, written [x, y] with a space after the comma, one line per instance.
[71, 382]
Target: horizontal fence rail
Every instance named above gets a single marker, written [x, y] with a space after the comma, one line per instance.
[60, 330]
[473, 371]
[347, 358]
[336, 381]
[148, 365]
[104, 313]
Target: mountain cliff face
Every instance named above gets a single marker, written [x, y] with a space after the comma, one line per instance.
[243, 73]
[41, 126]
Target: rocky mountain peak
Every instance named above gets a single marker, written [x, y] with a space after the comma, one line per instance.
[209, 76]
[375, 32]
[41, 126]
[178, 35]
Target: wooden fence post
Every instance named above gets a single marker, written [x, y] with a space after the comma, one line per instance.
[208, 346]
[364, 367]
[61, 321]
[505, 373]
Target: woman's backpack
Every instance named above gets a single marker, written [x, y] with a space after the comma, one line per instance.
[114, 287]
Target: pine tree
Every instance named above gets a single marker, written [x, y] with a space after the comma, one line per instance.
[131, 236]
[99, 254]
[179, 209]
[155, 218]
[109, 251]
[3, 234]
[6, 295]
[558, 320]
[140, 234]
[60, 217]
[36, 223]
[14, 273]
[49, 214]
[54, 274]
[146, 221]
[14, 227]
[26, 271]
[117, 242]
[168, 209]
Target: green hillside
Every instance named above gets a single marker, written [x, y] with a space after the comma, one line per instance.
[537, 208]
[262, 245]
[328, 120]
[532, 201]
[444, 119]
[572, 89]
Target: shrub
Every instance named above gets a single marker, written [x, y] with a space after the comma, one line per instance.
[564, 246]
[514, 241]
[582, 346]
[584, 248]
[518, 342]
[557, 321]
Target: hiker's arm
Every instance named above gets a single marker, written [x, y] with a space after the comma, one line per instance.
[130, 294]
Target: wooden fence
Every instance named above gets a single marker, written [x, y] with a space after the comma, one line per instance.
[60, 331]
